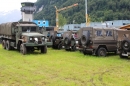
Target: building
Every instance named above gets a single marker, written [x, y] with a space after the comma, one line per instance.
[42, 23]
[71, 27]
[27, 11]
[114, 23]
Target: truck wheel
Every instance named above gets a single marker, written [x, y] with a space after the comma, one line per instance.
[72, 41]
[66, 41]
[101, 52]
[85, 39]
[4, 44]
[121, 56]
[60, 46]
[44, 49]
[84, 52]
[74, 48]
[126, 45]
[53, 46]
[67, 49]
[23, 49]
[8, 47]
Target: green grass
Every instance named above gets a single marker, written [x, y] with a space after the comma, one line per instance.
[62, 68]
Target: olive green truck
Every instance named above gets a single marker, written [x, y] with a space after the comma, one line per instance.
[23, 36]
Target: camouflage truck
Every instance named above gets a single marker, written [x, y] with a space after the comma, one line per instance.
[70, 40]
[123, 43]
[98, 41]
[23, 36]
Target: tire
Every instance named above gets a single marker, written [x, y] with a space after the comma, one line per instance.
[8, 47]
[0, 41]
[4, 44]
[53, 46]
[23, 49]
[126, 45]
[84, 52]
[53, 38]
[60, 46]
[121, 56]
[74, 48]
[53, 42]
[72, 41]
[102, 52]
[79, 42]
[66, 41]
[67, 49]
[44, 49]
[84, 40]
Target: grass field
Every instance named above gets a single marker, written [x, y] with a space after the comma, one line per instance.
[61, 68]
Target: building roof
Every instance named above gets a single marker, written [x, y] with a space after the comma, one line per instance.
[125, 27]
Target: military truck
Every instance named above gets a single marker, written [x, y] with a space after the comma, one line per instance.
[123, 43]
[70, 40]
[98, 41]
[23, 36]
[57, 39]
[48, 32]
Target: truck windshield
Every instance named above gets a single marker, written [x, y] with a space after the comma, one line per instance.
[59, 34]
[28, 29]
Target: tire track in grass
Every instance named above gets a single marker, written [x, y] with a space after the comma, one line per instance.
[100, 76]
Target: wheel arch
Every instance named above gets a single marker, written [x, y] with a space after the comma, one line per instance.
[18, 44]
[103, 46]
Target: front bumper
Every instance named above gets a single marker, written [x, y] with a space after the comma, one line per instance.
[34, 44]
[49, 43]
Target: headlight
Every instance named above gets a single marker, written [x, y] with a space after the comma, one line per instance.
[30, 39]
[77, 42]
[43, 38]
[36, 39]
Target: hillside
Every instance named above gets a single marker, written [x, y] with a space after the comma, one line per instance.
[98, 10]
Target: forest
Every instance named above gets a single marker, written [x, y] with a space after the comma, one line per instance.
[98, 10]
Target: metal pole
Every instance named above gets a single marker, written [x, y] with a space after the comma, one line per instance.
[57, 21]
[86, 11]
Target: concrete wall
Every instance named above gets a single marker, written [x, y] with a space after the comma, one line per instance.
[27, 17]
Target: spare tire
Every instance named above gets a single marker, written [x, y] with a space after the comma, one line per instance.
[66, 41]
[84, 40]
[72, 41]
[126, 45]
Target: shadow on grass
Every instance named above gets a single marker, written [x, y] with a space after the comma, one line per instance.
[108, 55]
[126, 58]
[36, 52]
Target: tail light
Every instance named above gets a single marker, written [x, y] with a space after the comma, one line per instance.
[91, 46]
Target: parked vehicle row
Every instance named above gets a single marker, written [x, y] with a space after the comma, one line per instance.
[97, 41]
[25, 37]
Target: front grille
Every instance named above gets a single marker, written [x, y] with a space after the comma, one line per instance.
[39, 42]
